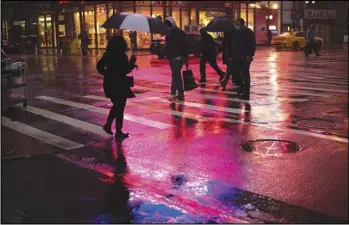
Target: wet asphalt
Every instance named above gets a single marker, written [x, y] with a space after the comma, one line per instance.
[280, 157]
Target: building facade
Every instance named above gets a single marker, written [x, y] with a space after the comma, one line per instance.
[53, 20]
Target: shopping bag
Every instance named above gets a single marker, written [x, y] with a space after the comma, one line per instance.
[188, 79]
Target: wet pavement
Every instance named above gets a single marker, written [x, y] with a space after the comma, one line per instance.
[280, 157]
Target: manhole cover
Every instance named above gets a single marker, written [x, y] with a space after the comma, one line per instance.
[315, 123]
[270, 147]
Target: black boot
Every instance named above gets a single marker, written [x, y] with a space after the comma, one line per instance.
[107, 129]
[121, 135]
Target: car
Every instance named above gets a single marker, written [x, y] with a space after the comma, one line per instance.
[157, 46]
[10, 46]
[295, 40]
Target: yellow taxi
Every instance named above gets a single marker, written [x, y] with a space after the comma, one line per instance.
[295, 40]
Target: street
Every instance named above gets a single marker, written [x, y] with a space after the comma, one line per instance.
[280, 157]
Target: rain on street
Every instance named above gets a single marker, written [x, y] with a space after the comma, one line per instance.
[280, 157]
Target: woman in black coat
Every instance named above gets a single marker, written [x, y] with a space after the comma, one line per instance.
[114, 66]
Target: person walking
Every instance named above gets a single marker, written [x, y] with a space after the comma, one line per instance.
[208, 54]
[270, 37]
[177, 54]
[114, 66]
[311, 44]
[243, 46]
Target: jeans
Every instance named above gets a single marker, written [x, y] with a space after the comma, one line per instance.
[310, 47]
[177, 80]
[117, 112]
[212, 60]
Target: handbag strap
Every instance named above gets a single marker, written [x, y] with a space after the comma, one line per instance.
[187, 65]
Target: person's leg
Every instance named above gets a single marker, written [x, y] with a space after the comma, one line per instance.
[173, 81]
[180, 81]
[110, 118]
[213, 63]
[227, 74]
[119, 116]
[203, 68]
[245, 78]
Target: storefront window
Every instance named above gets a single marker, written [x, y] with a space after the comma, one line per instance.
[193, 17]
[61, 25]
[185, 17]
[143, 39]
[126, 33]
[250, 15]
[101, 32]
[176, 15]
[243, 14]
[90, 28]
[77, 23]
[49, 31]
[42, 35]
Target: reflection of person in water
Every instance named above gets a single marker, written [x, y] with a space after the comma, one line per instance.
[118, 193]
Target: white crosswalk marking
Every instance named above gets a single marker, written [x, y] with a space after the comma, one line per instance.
[40, 135]
[65, 119]
[136, 119]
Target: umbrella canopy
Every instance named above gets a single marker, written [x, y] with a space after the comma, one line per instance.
[221, 24]
[135, 22]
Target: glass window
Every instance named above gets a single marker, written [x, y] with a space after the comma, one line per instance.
[250, 19]
[185, 17]
[49, 31]
[77, 23]
[176, 15]
[243, 14]
[127, 34]
[143, 39]
[42, 36]
[193, 16]
[90, 28]
[101, 32]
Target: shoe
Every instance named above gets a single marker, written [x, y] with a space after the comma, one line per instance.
[180, 97]
[107, 129]
[172, 98]
[221, 76]
[202, 80]
[122, 135]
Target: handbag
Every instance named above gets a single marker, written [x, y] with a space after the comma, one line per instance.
[188, 79]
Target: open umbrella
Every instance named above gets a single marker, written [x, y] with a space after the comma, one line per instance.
[221, 24]
[135, 22]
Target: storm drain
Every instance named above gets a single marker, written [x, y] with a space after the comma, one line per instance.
[315, 123]
[270, 147]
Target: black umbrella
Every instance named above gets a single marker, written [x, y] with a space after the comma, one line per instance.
[221, 24]
[135, 22]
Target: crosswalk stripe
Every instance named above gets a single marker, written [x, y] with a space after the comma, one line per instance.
[155, 109]
[204, 106]
[229, 120]
[318, 89]
[40, 135]
[136, 119]
[65, 119]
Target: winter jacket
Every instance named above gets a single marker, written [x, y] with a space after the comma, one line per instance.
[114, 68]
[243, 44]
[176, 42]
[207, 45]
[310, 35]
[226, 46]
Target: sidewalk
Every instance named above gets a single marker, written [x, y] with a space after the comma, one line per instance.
[91, 53]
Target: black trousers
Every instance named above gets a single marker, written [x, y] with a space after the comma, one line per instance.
[212, 60]
[310, 47]
[240, 72]
[117, 112]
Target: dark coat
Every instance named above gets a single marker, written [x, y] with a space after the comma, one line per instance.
[207, 45]
[115, 68]
[226, 46]
[176, 44]
[243, 44]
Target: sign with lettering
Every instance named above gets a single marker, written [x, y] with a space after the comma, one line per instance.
[321, 14]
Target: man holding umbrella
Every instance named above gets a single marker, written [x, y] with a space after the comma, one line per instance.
[176, 53]
[243, 46]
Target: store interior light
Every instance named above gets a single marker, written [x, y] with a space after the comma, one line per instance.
[271, 17]
[275, 6]
[153, 15]
[313, 2]
[252, 5]
[306, 2]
